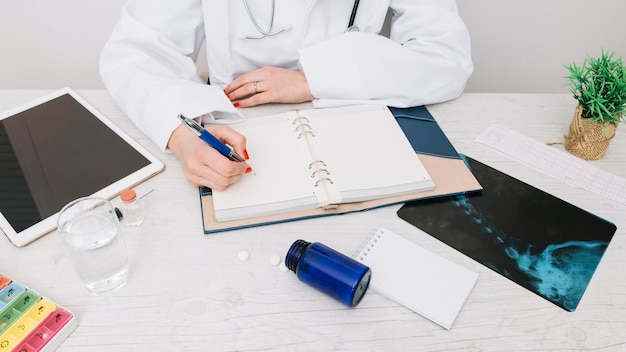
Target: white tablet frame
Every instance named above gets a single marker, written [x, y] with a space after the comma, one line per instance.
[48, 224]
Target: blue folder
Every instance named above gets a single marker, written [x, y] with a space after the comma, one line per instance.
[423, 132]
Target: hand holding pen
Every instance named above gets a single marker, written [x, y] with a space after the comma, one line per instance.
[210, 139]
[202, 165]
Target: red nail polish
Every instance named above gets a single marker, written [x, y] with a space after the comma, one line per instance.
[245, 154]
[248, 170]
[236, 104]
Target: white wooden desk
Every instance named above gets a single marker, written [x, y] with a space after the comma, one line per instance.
[190, 292]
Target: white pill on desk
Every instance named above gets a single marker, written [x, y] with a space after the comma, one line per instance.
[275, 260]
[244, 255]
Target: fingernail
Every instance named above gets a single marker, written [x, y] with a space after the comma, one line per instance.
[248, 170]
[236, 104]
[245, 154]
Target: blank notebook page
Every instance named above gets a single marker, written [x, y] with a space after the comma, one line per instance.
[420, 280]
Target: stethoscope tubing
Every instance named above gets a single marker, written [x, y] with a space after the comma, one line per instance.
[266, 33]
[355, 7]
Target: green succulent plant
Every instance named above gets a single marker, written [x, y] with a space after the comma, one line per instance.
[599, 85]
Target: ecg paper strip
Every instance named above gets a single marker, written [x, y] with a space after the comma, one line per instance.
[554, 162]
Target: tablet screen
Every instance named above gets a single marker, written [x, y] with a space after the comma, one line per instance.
[55, 152]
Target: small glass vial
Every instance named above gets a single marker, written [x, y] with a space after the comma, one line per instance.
[329, 271]
[131, 209]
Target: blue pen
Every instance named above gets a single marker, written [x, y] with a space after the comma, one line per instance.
[210, 139]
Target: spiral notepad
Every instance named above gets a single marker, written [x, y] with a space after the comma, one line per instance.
[306, 159]
[422, 281]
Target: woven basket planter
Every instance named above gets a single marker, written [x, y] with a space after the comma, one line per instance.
[588, 139]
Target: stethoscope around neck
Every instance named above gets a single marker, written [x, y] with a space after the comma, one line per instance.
[272, 32]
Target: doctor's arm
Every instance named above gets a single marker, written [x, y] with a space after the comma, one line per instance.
[426, 60]
[148, 68]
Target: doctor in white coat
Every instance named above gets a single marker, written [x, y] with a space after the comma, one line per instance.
[274, 51]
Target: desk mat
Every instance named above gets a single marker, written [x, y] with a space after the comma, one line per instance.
[535, 239]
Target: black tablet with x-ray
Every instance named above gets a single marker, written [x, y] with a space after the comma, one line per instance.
[58, 148]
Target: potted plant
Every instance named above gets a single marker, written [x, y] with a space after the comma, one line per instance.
[599, 86]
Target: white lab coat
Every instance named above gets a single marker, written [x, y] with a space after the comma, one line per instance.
[148, 64]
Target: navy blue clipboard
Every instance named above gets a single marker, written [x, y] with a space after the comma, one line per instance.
[423, 132]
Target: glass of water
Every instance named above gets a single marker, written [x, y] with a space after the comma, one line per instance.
[94, 243]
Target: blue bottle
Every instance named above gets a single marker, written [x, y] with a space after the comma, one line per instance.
[329, 271]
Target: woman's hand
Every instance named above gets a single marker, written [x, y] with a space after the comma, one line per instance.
[205, 166]
[269, 85]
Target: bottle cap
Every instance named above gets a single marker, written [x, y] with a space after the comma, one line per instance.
[128, 195]
[295, 253]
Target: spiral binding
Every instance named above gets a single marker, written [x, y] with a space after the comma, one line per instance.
[314, 162]
[320, 172]
[317, 182]
[369, 245]
[304, 128]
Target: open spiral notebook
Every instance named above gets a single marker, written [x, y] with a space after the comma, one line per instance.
[369, 151]
[306, 159]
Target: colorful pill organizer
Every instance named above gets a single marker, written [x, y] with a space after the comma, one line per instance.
[30, 322]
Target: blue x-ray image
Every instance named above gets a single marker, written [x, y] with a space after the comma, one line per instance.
[539, 241]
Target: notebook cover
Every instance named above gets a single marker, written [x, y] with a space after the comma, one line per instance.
[445, 166]
[535, 239]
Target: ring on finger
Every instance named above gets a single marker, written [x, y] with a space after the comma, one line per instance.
[255, 88]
